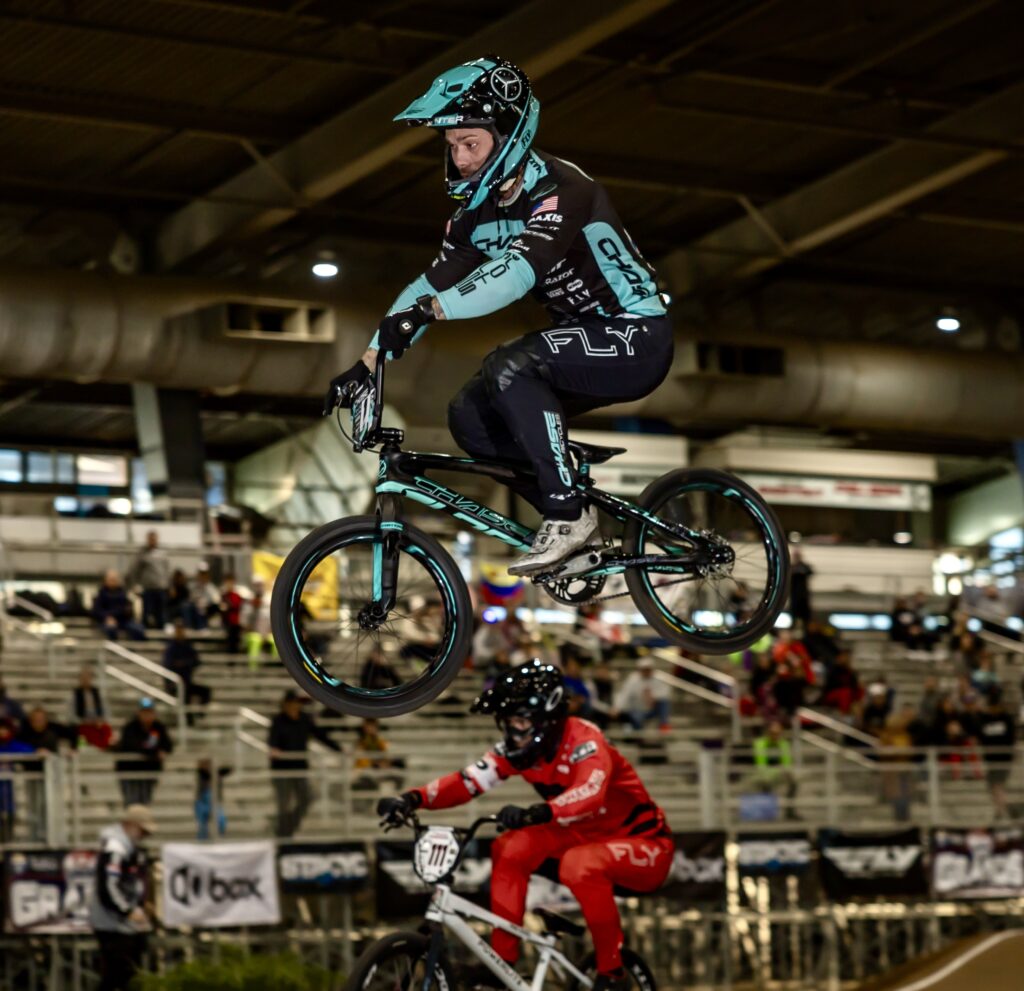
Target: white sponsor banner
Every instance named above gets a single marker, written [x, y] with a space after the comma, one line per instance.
[800, 490]
[223, 884]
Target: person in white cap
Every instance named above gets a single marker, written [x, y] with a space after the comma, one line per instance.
[116, 912]
[643, 697]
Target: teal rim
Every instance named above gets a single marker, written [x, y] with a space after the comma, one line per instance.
[317, 671]
[772, 586]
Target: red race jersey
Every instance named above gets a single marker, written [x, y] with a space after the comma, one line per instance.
[589, 785]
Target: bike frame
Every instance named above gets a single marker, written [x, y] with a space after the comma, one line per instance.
[452, 911]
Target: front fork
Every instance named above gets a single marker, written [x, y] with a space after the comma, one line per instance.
[385, 553]
[433, 955]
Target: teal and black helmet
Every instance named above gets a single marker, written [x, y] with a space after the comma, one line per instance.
[488, 92]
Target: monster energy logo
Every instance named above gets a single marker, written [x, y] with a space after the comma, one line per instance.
[554, 426]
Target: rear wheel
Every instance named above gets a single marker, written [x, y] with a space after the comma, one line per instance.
[398, 963]
[640, 976]
[727, 606]
[372, 619]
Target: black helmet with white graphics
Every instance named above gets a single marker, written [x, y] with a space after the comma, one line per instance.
[530, 708]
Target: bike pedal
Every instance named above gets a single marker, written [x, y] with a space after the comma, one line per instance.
[577, 564]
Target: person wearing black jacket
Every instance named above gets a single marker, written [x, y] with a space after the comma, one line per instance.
[116, 911]
[996, 733]
[289, 737]
[112, 609]
[146, 738]
[181, 657]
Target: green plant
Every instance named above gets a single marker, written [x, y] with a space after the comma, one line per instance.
[234, 970]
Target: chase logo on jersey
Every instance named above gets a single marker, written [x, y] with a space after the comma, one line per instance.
[583, 751]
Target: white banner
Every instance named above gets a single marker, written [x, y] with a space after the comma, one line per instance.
[223, 884]
[849, 493]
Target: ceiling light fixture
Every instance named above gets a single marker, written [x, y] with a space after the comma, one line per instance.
[948, 322]
[325, 270]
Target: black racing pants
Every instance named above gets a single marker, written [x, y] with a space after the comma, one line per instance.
[120, 958]
[515, 408]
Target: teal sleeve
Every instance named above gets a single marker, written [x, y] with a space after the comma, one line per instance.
[488, 288]
[412, 292]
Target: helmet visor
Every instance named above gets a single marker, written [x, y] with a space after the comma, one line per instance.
[518, 730]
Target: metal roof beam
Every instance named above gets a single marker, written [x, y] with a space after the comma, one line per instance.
[867, 189]
[540, 36]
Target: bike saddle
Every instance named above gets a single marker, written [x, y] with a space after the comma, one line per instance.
[593, 454]
[555, 923]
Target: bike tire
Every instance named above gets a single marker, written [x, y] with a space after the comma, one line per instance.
[640, 974]
[412, 946]
[344, 697]
[656, 494]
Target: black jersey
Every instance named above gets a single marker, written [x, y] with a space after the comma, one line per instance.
[559, 239]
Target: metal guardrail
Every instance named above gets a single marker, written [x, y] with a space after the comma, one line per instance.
[730, 701]
[178, 702]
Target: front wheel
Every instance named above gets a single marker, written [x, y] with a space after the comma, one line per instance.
[640, 976]
[398, 963]
[371, 617]
[726, 605]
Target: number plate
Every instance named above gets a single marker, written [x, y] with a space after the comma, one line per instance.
[435, 853]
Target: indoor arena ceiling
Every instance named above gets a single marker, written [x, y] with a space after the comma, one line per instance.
[846, 169]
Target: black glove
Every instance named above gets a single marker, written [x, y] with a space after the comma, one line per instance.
[395, 332]
[400, 807]
[337, 395]
[514, 817]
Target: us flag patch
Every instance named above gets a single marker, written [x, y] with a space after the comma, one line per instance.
[551, 203]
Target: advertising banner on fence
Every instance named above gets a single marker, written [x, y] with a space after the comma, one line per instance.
[698, 868]
[222, 884]
[318, 868]
[978, 863]
[48, 891]
[774, 854]
[889, 863]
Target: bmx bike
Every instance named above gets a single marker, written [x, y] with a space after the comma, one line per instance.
[418, 961]
[704, 560]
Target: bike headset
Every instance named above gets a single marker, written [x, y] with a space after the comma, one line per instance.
[489, 92]
[536, 692]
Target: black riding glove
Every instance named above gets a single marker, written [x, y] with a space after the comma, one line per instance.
[400, 807]
[515, 817]
[337, 394]
[396, 330]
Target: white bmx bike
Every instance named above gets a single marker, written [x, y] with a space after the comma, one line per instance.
[418, 961]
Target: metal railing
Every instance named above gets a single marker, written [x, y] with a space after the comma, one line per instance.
[728, 700]
[178, 701]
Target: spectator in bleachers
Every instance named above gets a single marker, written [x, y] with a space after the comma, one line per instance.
[9, 745]
[378, 672]
[210, 798]
[181, 657]
[997, 734]
[44, 739]
[918, 638]
[984, 678]
[231, 614]
[603, 679]
[895, 742]
[577, 691]
[495, 643]
[289, 737]
[112, 609]
[370, 750]
[10, 708]
[88, 712]
[800, 590]
[145, 738]
[643, 697]
[760, 697]
[151, 571]
[928, 708]
[842, 689]
[820, 643]
[966, 652]
[903, 616]
[793, 672]
[773, 764]
[877, 708]
[204, 598]
[256, 623]
[958, 749]
[179, 600]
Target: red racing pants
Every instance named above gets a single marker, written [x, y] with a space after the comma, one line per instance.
[588, 868]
